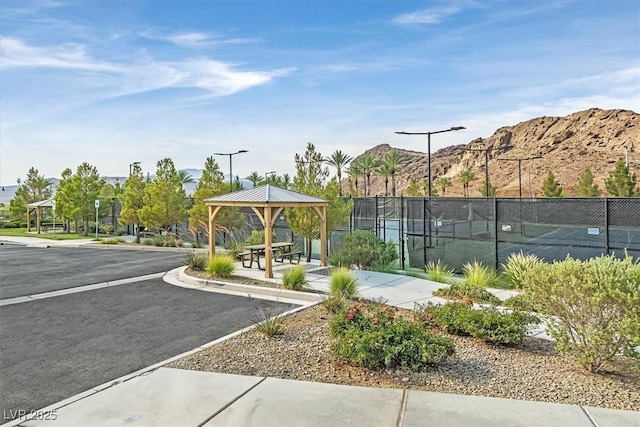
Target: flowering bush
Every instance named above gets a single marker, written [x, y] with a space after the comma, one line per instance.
[374, 336]
[466, 292]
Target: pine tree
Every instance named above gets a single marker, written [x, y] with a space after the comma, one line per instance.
[586, 187]
[621, 183]
[551, 187]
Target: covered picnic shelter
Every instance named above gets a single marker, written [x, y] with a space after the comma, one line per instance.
[268, 202]
[37, 207]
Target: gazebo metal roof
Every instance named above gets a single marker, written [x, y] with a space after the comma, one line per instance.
[265, 194]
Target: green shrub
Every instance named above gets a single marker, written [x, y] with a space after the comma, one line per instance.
[269, 324]
[167, 241]
[257, 238]
[488, 323]
[373, 336]
[105, 228]
[467, 293]
[197, 261]
[234, 246]
[147, 241]
[594, 304]
[366, 250]
[112, 241]
[438, 272]
[343, 283]
[333, 303]
[517, 265]
[477, 274]
[295, 278]
[220, 266]
[339, 259]
[520, 302]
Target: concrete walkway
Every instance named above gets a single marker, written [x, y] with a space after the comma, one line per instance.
[38, 242]
[174, 397]
[159, 396]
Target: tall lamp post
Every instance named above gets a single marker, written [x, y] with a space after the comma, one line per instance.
[231, 165]
[519, 160]
[131, 167]
[486, 162]
[266, 176]
[429, 148]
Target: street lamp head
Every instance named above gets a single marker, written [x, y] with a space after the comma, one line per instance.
[403, 133]
[458, 128]
[243, 151]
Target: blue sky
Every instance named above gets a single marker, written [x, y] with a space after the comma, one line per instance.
[113, 82]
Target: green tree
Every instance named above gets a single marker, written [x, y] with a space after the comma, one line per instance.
[385, 172]
[368, 165]
[465, 177]
[412, 189]
[338, 160]
[255, 178]
[133, 199]
[34, 188]
[586, 187]
[211, 185]
[165, 200]
[491, 189]
[443, 182]
[82, 190]
[393, 162]
[185, 177]
[551, 187]
[621, 183]
[354, 172]
[309, 179]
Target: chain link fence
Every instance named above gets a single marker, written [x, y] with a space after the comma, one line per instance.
[458, 230]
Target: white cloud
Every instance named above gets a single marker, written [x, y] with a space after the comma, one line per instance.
[427, 16]
[216, 77]
[195, 39]
[15, 53]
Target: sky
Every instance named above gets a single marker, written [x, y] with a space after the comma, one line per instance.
[116, 82]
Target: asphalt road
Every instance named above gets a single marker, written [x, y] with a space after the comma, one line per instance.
[54, 348]
[26, 270]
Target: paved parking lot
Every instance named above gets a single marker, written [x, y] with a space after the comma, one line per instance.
[27, 271]
[57, 347]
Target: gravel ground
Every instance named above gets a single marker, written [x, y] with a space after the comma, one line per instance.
[531, 371]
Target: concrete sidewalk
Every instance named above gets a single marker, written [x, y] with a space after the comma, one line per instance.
[38, 242]
[174, 397]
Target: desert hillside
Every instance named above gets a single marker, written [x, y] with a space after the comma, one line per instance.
[593, 138]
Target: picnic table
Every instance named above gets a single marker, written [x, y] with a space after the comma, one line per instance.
[280, 251]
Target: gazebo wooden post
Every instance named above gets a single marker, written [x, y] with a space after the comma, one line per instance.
[213, 212]
[28, 220]
[38, 221]
[322, 213]
[268, 251]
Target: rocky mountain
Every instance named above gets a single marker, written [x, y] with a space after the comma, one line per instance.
[593, 138]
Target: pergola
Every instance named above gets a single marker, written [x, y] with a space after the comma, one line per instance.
[37, 206]
[267, 202]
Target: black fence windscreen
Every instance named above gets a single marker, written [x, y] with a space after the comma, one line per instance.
[459, 230]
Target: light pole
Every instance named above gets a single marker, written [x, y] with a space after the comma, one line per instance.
[486, 163]
[429, 148]
[231, 165]
[131, 167]
[266, 176]
[519, 160]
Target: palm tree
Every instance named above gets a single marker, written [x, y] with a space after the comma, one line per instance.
[393, 160]
[338, 160]
[255, 178]
[354, 172]
[465, 177]
[185, 177]
[368, 164]
[443, 182]
[385, 171]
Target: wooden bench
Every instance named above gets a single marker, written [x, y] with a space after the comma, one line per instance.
[287, 255]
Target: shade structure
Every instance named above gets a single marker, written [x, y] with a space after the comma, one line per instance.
[267, 202]
[37, 207]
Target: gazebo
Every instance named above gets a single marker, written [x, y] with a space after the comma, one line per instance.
[267, 202]
[37, 206]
